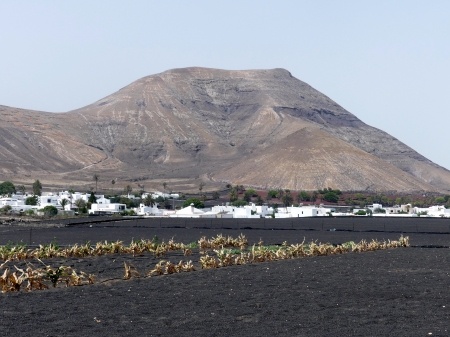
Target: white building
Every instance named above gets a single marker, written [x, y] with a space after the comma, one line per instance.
[147, 210]
[188, 212]
[107, 208]
[17, 205]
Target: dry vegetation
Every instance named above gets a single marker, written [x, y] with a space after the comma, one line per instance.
[41, 278]
[219, 251]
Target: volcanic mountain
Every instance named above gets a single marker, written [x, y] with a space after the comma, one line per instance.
[260, 128]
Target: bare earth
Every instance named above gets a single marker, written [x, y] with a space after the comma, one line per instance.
[398, 292]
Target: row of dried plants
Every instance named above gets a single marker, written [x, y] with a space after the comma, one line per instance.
[40, 278]
[226, 257]
[260, 253]
[52, 250]
[161, 268]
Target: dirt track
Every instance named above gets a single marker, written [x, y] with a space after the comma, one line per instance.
[399, 292]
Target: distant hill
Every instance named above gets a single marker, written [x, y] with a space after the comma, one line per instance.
[261, 128]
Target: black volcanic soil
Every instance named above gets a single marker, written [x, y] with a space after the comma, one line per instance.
[398, 292]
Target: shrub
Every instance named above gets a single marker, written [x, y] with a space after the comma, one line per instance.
[304, 196]
[379, 210]
[29, 212]
[247, 197]
[6, 209]
[239, 203]
[361, 212]
[197, 203]
[251, 192]
[32, 201]
[50, 210]
[272, 193]
[331, 197]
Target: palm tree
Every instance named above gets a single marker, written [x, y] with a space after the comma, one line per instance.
[81, 204]
[63, 203]
[287, 199]
[259, 200]
[112, 183]
[164, 185]
[216, 195]
[200, 187]
[149, 201]
[21, 189]
[142, 189]
[128, 190]
[233, 194]
[95, 178]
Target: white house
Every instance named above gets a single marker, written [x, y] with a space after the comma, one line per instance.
[17, 205]
[188, 212]
[147, 210]
[107, 208]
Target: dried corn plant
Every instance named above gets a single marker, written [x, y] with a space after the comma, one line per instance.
[130, 271]
[40, 278]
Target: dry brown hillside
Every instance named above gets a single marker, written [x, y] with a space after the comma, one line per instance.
[262, 128]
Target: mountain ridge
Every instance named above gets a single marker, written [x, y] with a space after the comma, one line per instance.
[198, 122]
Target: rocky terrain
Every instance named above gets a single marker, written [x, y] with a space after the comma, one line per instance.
[261, 128]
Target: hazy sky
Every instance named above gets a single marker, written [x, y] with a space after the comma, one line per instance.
[387, 62]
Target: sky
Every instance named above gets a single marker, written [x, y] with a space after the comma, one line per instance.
[387, 62]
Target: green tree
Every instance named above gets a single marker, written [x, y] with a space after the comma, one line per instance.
[239, 203]
[50, 210]
[259, 201]
[215, 195]
[128, 189]
[348, 201]
[32, 201]
[197, 203]
[251, 192]
[247, 196]
[303, 196]
[233, 194]
[439, 200]
[95, 178]
[287, 198]
[280, 193]
[331, 197]
[21, 189]
[81, 205]
[37, 187]
[149, 201]
[92, 198]
[7, 187]
[64, 202]
[272, 194]
[359, 196]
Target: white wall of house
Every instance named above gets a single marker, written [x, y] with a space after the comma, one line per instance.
[107, 208]
[146, 210]
[188, 212]
[300, 212]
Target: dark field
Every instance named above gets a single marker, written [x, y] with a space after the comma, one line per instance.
[398, 292]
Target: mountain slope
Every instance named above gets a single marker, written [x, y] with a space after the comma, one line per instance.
[198, 122]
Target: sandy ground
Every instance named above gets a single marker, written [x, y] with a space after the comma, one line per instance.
[398, 292]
